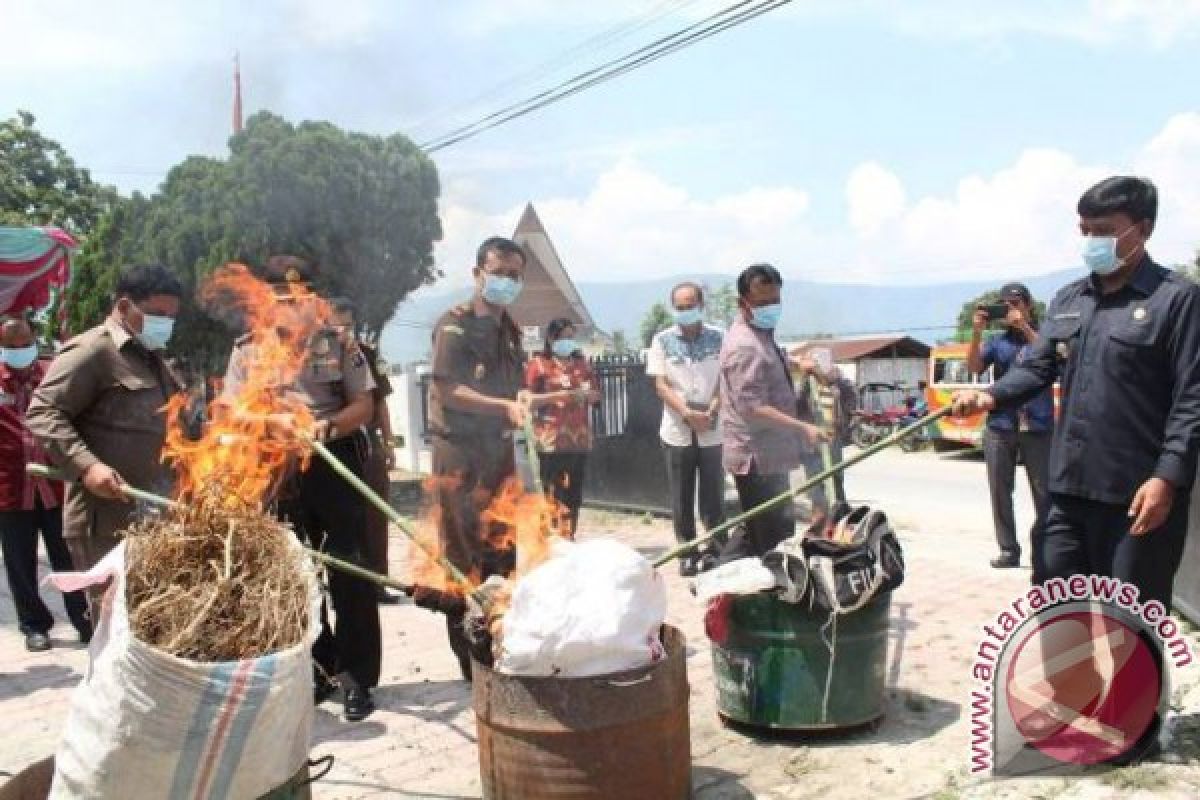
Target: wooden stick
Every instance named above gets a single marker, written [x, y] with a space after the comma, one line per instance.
[812, 481]
[42, 471]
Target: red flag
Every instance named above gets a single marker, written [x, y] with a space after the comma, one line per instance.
[237, 95]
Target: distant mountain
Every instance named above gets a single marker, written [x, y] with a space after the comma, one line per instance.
[839, 309]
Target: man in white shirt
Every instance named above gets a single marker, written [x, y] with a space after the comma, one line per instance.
[684, 362]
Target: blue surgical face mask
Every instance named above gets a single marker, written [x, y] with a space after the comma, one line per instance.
[156, 331]
[563, 348]
[500, 290]
[19, 357]
[1100, 253]
[766, 317]
[688, 316]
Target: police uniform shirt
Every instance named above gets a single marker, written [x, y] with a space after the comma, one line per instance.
[332, 374]
[1129, 363]
[482, 353]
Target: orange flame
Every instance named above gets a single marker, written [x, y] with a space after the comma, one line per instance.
[244, 451]
[514, 520]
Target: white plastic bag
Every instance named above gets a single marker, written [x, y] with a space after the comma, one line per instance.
[592, 608]
[145, 724]
[743, 576]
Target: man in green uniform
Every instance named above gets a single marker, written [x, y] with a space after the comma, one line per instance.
[477, 361]
[99, 411]
[326, 512]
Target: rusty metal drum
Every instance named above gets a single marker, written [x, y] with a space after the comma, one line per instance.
[622, 735]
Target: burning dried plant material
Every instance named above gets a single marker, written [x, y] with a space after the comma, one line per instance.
[215, 581]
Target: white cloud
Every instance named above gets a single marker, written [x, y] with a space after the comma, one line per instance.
[1020, 220]
[632, 225]
[874, 195]
[1162, 23]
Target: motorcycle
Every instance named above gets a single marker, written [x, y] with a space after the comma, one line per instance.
[869, 427]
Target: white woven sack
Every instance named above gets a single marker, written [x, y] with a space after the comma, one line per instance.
[144, 724]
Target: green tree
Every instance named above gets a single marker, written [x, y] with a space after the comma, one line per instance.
[363, 208]
[720, 305]
[1192, 270]
[40, 184]
[966, 314]
[619, 345]
[656, 319]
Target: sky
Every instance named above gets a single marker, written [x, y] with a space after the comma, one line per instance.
[860, 141]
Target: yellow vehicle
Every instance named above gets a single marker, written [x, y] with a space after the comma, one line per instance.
[948, 373]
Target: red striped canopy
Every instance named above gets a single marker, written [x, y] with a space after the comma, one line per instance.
[32, 260]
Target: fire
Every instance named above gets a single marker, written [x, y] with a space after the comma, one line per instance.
[517, 526]
[244, 450]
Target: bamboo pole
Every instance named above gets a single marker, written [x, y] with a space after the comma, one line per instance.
[42, 471]
[814, 399]
[812, 481]
[386, 509]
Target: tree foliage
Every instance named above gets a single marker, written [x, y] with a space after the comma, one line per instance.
[966, 314]
[40, 184]
[620, 345]
[720, 305]
[657, 318]
[363, 208]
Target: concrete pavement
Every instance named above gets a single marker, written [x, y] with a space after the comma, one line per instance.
[421, 742]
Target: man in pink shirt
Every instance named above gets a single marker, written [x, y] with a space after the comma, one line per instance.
[762, 438]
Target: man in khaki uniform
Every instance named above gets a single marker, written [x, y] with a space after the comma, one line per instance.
[477, 373]
[335, 383]
[99, 411]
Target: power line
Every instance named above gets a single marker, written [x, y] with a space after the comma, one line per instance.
[723, 20]
[539, 71]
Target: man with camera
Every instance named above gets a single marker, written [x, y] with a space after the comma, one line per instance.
[1017, 433]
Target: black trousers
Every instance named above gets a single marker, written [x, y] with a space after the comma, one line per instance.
[376, 475]
[688, 469]
[771, 527]
[1001, 450]
[330, 515]
[1085, 537]
[562, 474]
[19, 543]
[467, 473]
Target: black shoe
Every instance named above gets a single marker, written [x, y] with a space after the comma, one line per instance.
[323, 689]
[85, 631]
[358, 704]
[37, 642]
[687, 566]
[1006, 561]
[706, 562]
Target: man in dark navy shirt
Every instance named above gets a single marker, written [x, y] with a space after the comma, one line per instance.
[1125, 343]
[1014, 433]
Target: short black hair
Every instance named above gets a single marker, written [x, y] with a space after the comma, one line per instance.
[697, 288]
[1119, 194]
[147, 280]
[763, 272]
[500, 246]
[555, 327]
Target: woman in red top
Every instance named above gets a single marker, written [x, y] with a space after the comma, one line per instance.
[562, 392]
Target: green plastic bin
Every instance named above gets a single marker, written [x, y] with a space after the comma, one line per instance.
[773, 665]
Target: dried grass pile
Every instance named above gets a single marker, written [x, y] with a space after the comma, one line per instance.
[213, 583]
